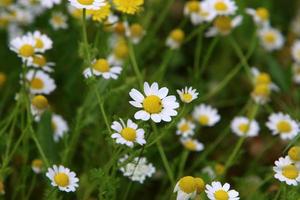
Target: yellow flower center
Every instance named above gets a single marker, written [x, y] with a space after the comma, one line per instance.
[244, 127]
[221, 6]
[119, 28]
[190, 145]
[270, 37]
[221, 195]
[262, 90]
[121, 50]
[101, 65]
[187, 184]
[223, 23]
[40, 102]
[37, 163]
[294, 153]
[39, 43]
[185, 127]
[203, 120]
[86, 2]
[39, 60]
[177, 35]
[290, 171]
[129, 134]
[263, 78]
[193, 6]
[187, 97]
[57, 19]
[136, 30]
[284, 126]
[61, 179]
[2, 79]
[152, 104]
[219, 168]
[37, 83]
[200, 185]
[26, 50]
[262, 13]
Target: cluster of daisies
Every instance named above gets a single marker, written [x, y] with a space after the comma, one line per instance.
[190, 187]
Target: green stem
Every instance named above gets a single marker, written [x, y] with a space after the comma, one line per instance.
[197, 55]
[208, 53]
[184, 157]
[135, 65]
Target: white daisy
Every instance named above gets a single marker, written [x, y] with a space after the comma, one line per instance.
[40, 61]
[58, 21]
[205, 14]
[63, 178]
[24, 46]
[284, 125]
[216, 191]
[175, 39]
[260, 15]
[192, 144]
[185, 128]
[296, 73]
[40, 82]
[135, 33]
[155, 104]
[60, 127]
[104, 68]
[88, 4]
[223, 7]
[137, 169]
[39, 104]
[271, 39]
[37, 166]
[263, 78]
[42, 41]
[128, 133]
[188, 187]
[187, 95]
[49, 3]
[296, 51]
[241, 126]
[223, 25]
[286, 171]
[206, 115]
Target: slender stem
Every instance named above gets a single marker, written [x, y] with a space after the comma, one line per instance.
[184, 157]
[135, 65]
[197, 55]
[208, 53]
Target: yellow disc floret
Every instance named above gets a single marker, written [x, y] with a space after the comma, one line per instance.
[39, 60]
[244, 127]
[200, 185]
[37, 163]
[136, 30]
[129, 134]
[121, 50]
[269, 37]
[221, 6]
[223, 24]
[187, 184]
[177, 35]
[39, 43]
[262, 13]
[152, 104]
[61, 179]
[190, 145]
[186, 97]
[26, 50]
[101, 65]
[184, 127]
[221, 195]
[263, 78]
[40, 102]
[193, 6]
[86, 2]
[128, 6]
[284, 126]
[203, 120]
[294, 153]
[37, 83]
[290, 171]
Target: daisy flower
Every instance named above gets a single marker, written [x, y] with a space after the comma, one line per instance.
[39, 104]
[294, 154]
[284, 125]
[40, 61]
[217, 191]
[242, 126]
[42, 41]
[296, 51]
[24, 46]
[206, 115]
[260, 15]
[187, 95]
[40, 82]
[101, 14]
[137, 169]
[128, 133]
[205, 14]
[130, 7]
[155, 105]
[286, 171]
[135, 33]
[37, 166]
[49, 3]
[120, 53]
[58, 21]
[185, 128]
[271, 39]
[175, 39]
[104, 68]
[191, 7]
[263, 78]
[88, 4]
[59, 126]
[223, 25]
[223, 7]
[296, 73]
[192, 144]
[63, 178]
[188, 187]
